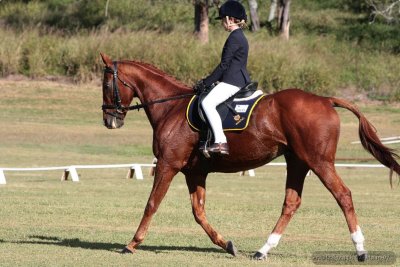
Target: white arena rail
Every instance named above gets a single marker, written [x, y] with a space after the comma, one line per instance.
[135, 169]
[385, 141]
[346, 165]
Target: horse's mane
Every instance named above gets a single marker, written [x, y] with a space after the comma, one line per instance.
[158, 72]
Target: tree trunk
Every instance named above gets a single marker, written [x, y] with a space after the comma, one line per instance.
[201, 20]
[284, 18]
[106, 12]
[255, 21]
[272, 10]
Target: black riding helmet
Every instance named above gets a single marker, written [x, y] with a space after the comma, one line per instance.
[232, 8]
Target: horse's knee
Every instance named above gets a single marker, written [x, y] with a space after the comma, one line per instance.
[290, 206]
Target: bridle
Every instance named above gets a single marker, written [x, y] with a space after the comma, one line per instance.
[119, 109]
[117, 106]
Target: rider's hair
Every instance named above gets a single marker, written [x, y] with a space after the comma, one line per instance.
[241, 23]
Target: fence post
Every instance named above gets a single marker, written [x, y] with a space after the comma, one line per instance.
[74, 174]
[251, 173]
[131, 172]
[64, 177]
[70, 171]
[138, 172]
[135, 170]
[2, 177]
[152, 170]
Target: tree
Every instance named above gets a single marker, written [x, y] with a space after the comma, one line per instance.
[106, 11]
[388, 10]
[280, 9]
[201, 20]
[284, 18]
[255, 21]
[272, 10]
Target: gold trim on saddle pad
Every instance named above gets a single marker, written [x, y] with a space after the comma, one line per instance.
[187, 113]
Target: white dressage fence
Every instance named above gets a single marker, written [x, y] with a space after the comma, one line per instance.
[345, 165]
[135, 169]
[385, 141]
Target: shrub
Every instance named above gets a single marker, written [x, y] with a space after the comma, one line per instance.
[312, 78]
[10, 54]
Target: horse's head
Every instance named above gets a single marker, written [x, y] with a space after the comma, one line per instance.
[117, 94]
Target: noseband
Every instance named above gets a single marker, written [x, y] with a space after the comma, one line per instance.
[117, 106]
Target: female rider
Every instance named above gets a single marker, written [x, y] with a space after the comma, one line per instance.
[231, 72]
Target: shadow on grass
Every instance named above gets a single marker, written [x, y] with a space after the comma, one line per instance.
[114, 247]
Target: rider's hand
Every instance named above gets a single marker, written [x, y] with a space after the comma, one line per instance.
[199, 87]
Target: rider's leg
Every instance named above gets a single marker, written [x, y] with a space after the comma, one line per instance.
[218, 94]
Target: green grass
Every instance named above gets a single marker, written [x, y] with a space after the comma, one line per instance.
[51, 223]
[46, 222]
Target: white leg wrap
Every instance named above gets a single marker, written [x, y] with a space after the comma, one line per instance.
[272, 242]
[358, 239]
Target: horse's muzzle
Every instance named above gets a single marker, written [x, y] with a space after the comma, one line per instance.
[112, 121]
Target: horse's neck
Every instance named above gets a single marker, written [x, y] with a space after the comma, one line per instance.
[154, 85]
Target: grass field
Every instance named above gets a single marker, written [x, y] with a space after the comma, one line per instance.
[45, 222]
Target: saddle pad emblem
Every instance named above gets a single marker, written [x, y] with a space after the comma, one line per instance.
[230, 120]
[241, 108]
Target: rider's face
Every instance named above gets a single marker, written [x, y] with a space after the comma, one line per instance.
[226, 23]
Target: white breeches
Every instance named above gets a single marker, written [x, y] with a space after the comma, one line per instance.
[218, 94]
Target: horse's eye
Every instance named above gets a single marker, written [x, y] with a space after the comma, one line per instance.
[107, 85]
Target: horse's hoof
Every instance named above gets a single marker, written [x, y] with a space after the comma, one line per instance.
[259, 256]
[362, 257]
[231, 249]
[126, 251]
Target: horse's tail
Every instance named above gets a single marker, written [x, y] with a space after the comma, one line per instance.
[370, 140]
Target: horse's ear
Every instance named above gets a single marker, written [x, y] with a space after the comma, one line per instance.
[107, 61]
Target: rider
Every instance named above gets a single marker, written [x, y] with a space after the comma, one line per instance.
[231, 72]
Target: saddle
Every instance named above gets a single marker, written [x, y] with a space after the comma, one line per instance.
[235, 112]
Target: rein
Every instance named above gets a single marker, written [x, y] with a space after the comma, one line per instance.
[139, 106]
[117, 99]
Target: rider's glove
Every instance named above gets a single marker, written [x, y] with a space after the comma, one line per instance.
[199, 87]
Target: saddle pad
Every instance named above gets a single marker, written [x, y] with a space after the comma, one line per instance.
[232, 122]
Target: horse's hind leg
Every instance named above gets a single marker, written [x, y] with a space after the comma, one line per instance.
[328, 176]
[296, 173]
[197, 188]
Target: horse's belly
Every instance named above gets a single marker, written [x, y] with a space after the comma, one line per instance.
[246, 158]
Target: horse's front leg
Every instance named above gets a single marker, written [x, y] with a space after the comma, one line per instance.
[162, 180]
[197, 188]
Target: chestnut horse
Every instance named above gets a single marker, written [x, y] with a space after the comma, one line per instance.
[302, 127]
